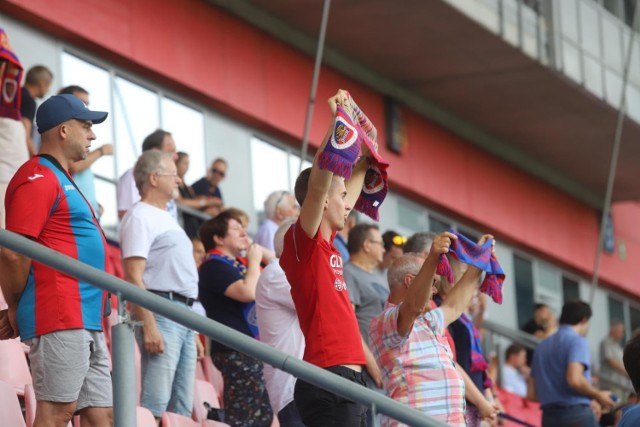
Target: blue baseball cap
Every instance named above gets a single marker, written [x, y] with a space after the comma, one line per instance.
[60, 108]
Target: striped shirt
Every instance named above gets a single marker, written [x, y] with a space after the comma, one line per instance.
[418, 369]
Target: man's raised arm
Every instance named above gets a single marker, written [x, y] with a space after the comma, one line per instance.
[319, 180]
[418, 297]
[461, 294]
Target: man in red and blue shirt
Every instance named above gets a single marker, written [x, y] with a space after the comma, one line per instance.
[58, 316]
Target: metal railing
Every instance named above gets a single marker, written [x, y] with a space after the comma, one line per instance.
[123, 341]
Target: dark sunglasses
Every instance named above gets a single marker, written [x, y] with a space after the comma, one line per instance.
[219, 172]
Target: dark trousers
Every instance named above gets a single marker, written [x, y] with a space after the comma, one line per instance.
[321, 408]
[568, 416]
[289, 416]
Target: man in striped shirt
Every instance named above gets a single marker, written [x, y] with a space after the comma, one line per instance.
[408, 338]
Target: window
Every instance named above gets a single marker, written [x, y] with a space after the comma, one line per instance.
[523, 270]
[570, 289]
[634, 320]
[136, 115]
[134, 112]
[273, 169]
[616, 310]
[411, 215]
[187, 128]
[438, 226]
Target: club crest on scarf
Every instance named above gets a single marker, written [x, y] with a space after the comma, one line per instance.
[10, 77]
[373, 181]
[344, 134]
[351, 129]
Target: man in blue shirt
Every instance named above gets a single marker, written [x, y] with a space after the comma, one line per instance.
[631, 415]
[561, 373]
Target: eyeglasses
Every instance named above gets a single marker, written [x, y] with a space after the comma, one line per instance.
[218, 171]
[399, 240]
[167, 174]
[282, 194]
[379, 242]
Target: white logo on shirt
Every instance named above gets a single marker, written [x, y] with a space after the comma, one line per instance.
[69, 187]
[35, 176]
[339, 285]
[335, 261]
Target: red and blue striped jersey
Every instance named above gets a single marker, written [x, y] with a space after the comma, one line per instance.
[43, 203]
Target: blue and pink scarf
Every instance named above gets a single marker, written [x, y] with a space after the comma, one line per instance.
[248, 308]
[482, 257]
[351, 129]
[10, 78]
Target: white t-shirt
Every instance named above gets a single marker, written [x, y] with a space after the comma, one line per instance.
[279, 327]
[127, 194]
[513, 381]
[153, 234]
[13, 148]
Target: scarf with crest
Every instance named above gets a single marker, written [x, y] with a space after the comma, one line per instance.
[10, 78]
[248, 308]
[351, 129]
[482, 257]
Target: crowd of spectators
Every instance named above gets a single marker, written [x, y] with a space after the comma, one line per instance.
[316, 282]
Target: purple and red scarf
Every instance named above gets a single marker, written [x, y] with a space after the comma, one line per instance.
[10, 78]
[482, 257]
[351, 129]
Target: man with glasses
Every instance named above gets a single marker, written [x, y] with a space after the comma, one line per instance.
[158, 257]
[210, 185]
[278, 206]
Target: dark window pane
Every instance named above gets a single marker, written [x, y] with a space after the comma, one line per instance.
[616, 310]
[634, 315]
[570, 289]
[438, 226]
[524, 288]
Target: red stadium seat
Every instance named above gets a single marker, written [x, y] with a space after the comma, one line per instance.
[144, 417]
[211, 423]
[203, 391]
[170, 419]
[214, 376]
[10, 406]
[13, 365]
[520, 408]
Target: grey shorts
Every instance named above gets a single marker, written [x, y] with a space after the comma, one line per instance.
[71, 366]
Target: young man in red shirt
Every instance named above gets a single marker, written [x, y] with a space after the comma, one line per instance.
[314, 269]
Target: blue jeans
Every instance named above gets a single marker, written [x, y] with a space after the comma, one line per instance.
[168, 377]
[568, 416]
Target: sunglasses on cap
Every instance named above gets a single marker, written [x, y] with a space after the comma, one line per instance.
[399, 240]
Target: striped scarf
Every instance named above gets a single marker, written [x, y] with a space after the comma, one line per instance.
[482, 257]
[351, 129]
[10, 78]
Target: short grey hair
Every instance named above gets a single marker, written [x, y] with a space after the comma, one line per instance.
[149, 162]
[278, 238]
[419, 243]
[406, 264]
[271, 203]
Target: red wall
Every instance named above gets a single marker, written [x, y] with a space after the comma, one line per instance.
[229, 65]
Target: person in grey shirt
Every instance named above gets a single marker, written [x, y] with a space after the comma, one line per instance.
[611, 352]
[367, 294]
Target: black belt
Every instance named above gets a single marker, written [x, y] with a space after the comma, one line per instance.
[174, 297]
